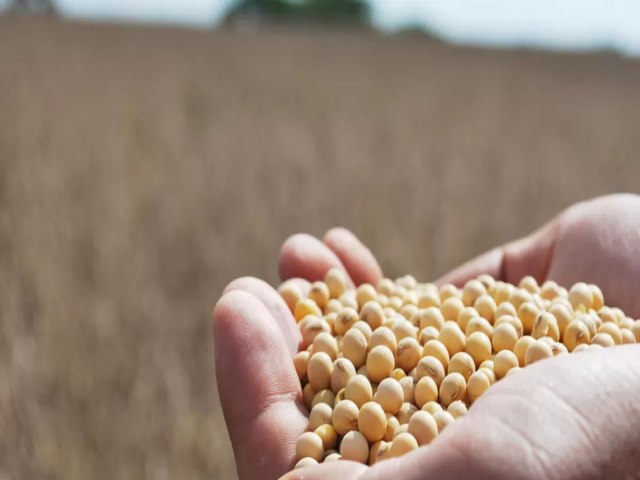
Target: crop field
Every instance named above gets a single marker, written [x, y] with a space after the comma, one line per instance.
[141, 169]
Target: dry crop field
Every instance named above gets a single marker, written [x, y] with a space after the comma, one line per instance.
[141, 169]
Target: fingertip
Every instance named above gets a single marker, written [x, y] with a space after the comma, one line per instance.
[301, 283]
[236, 316]
[305, 256]
[238, 284]
[337, 231]
[274, 303]
[225, 309]
[358, 260]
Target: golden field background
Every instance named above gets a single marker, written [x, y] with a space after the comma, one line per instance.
[142, 169]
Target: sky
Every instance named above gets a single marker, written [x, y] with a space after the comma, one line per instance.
[554, 24]
[550, 24]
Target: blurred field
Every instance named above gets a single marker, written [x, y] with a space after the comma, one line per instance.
[142, 169]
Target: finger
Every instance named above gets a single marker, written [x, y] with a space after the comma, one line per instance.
[489, 262]
[302, 284]
[275, 304]
[537, 420]
[530, 255]
[306, 257]
[555, 409]
[354, 255]
[329, 471]
[609, 226]
[259, 389]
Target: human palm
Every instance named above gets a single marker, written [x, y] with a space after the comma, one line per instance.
[572, 416]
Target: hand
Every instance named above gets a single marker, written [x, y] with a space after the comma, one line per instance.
[573, 416]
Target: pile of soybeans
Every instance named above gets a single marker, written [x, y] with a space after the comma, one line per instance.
[384, 369]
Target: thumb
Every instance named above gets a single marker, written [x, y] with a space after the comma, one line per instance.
[530, 255]
[572, 416]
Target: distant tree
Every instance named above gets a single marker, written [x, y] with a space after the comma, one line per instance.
[333, 11]
[41, 7]
[418, 31]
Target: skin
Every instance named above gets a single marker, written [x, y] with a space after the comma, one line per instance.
[570, 417]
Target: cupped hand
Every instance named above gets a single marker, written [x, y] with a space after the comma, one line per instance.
[572, 416]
